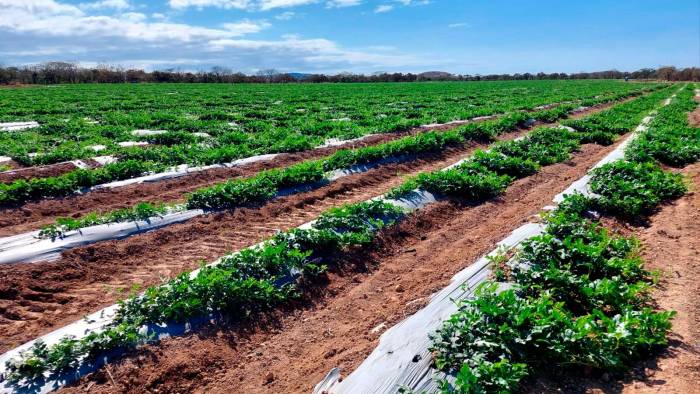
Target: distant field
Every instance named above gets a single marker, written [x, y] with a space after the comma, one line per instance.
[207, 124]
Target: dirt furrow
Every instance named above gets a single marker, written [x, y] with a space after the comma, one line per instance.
[36, 172]
[338, 323]
[672, 246]
[34, 215]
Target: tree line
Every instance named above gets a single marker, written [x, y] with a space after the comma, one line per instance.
[62, 72]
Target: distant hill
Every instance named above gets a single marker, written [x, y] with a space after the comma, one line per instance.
[299, 76]
[435, 75]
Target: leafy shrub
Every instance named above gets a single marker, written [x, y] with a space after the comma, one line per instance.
[21, 191]
[471, 185]
[141, 211]
[669, 138]
[632, 189]
[543, 146]
[580, 299]
[505, 165]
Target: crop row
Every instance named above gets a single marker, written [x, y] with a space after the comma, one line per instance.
[264, 185]
[580, 299]
[244, 120]
[267, 184]
[581, 296]
[487, 174]
[670, 139]
[240, 285]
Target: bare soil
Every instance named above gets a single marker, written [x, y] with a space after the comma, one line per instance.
[672, 246]
[34, 215]
[35, 172]
[292, 350]
[694, 117]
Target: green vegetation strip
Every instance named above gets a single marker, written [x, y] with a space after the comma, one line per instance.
[580, 299]
[244, 120]
[581, 296]
[487, 174]
[670, 139]
[21, 191]
[140, 161]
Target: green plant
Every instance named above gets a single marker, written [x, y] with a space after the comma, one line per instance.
[632, 189]
[669, 139]
[141, 211]
[580, 299]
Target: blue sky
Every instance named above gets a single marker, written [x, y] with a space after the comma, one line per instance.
[460, 36]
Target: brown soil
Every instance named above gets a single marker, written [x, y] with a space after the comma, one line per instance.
[694, 117]
[36, 172]
[292, 351]
[17, 85]
[672, 246]
[34, 215]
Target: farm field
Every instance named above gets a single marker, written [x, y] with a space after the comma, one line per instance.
[328, 217]
[250, 119]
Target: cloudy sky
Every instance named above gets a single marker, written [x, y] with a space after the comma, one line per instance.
[461, 36]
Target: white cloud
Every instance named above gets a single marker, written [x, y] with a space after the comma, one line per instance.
[246, 26]
[383, 8]
[265, 5]
[406, 3]
[413, 2]
[250, 5]
[285, 16]
[135, 17]
[59, 20]
[239, 4]
[258, 5]
[39, 7]
[457, 25]
[35, 31]
[342, 3]
[106, 4]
